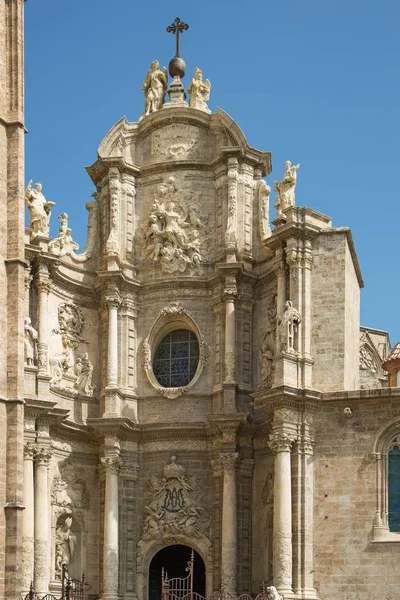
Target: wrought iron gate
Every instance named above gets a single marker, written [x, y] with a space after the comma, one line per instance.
[72, 589]
[180, 588]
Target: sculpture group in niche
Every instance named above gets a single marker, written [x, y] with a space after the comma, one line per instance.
[286, 188]
[289, 323]
[155, 87]
[77, 370]
[39, 210]
[174, 507]
[199, 91]
[30, 342]
[175, 233]
[63, 244]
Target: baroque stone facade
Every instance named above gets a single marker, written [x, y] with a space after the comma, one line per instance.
[185, 380]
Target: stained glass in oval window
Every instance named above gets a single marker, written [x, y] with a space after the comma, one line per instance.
[176, 359]
[394, 488]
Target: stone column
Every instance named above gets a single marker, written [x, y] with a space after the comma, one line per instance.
[112, 363]
[308, 516]
[230, 293]
[28, 523]
[229, 523]
[111, 544]
[42, 285]
[41, 521]
[280, 443]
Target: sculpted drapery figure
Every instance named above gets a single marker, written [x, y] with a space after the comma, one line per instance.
[286, 187]
[266, 365]
[289, 323]
[65, 544]
[199, 91]
[39, 209]
[155, 87]
[84, 371]
[172, 235]
[31, 336]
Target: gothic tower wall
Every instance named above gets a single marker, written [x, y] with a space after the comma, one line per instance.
[334, 344]
[12, 290]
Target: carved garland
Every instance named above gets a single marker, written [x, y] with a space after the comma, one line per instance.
[172, 317]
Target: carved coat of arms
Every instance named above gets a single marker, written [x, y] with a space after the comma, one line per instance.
[174, 506]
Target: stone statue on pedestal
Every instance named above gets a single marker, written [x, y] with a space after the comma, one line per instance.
[286, 187]
[155, 87]
[31, 336]
[39, 210]
[289, 323]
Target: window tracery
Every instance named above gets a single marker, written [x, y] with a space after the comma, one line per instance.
[386, 451]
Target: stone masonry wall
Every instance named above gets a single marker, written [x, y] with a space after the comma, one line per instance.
[348, 565]
[334, 309]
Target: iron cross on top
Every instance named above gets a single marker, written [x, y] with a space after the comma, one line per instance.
[177, 27]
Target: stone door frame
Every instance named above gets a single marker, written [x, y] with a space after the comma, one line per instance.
[148, 549]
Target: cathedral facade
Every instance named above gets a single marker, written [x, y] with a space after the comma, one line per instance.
[195, 384]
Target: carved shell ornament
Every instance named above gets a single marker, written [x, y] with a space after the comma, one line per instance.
[173, 318]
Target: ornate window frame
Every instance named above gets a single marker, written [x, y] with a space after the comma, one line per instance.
[384, 440]
[172, 317]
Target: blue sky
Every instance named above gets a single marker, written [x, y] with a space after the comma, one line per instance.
[312, 81]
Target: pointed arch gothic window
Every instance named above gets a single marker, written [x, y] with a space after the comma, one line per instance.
[386, 451]
[394, 485]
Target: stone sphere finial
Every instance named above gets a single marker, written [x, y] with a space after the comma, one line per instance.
[177, 67]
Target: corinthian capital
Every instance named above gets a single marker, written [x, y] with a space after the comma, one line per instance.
[280, 441]
[229, 460]
[42, 455]
[111, 464]
[113, 302]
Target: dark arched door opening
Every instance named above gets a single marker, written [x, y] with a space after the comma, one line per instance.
[174, 560]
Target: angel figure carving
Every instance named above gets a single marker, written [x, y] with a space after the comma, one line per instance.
[155, 87]
[199, 91]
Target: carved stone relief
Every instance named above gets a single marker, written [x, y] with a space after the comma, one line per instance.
[71, 373]
[177, 141]
[63, 244]
[231, 229]
[112, 244]
[71, 322]
[174, 504]
[69, 488]
[175, 235]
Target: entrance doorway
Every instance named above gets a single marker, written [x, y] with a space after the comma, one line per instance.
[174, 560]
